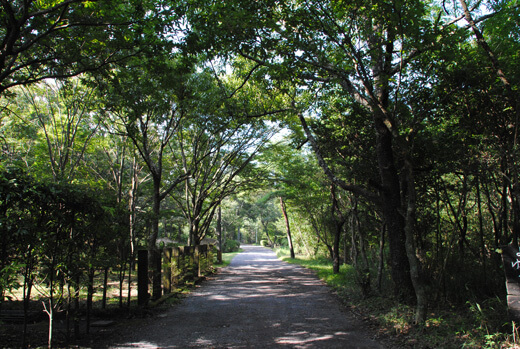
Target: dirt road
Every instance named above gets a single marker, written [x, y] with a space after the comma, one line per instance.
[256, 302]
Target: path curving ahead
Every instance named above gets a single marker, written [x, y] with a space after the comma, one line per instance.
[258, 301]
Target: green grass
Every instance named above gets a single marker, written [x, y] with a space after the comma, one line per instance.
[468, 326]
[341, 282]
[227, 257]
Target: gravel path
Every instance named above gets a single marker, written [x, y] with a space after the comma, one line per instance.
[256, 302]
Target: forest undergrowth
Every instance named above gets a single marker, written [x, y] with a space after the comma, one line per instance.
[482, 324]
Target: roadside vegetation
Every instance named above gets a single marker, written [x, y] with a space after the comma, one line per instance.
[227, 258]
[470, 325]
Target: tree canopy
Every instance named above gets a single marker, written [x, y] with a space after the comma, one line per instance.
[400, 130]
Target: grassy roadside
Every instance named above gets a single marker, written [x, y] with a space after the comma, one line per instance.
[227, 258]
[470, 326]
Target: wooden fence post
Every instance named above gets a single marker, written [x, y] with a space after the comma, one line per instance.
[157, 274]
[196, 257]
[175, 266]
[142, 277]
[190, 267]
[194, 262]
[167, 270]
[182, 264]
[205, 259]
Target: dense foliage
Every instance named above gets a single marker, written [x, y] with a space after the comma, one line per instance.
[398, 154]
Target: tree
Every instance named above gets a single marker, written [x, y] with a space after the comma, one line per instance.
[45, 228]
[504, 10]
[60, 39]
[115, 163]
[287, 227]
[219, 162]
[365, 49]
[149, 111]
[263, 210]
[315, 43]
[290, 182]
[62, 114]
[217, 148]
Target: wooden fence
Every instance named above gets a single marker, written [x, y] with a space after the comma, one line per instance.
[179, 266]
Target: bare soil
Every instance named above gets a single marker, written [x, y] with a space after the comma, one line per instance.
[258, 301]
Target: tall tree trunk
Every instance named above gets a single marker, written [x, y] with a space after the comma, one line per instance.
[265, 225]
[289, 238]
[131, 265]
[418, 280]
[219, 233]
[359, 260]
[90, 295]
[382, 49]
[50, 314]
[132, 193]
[345, 247]
[391, 205]
[481, 231]
[381, 262]
[68, 312]
[105, 287]
[339, 222]
[27, 288]
[76, 305]
[335, 250]
[388, 200]
[122, 275]
[153, 253]
[52, 273]
[195, 237]
[502, 236]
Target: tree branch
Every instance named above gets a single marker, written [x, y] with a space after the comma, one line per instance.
[369, 195]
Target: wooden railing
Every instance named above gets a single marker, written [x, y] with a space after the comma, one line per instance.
[180, 266]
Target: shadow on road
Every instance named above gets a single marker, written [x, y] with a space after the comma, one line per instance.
[258, 301]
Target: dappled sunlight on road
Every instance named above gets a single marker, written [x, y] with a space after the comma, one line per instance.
[257, 301]
[309, 340]
[140, 345]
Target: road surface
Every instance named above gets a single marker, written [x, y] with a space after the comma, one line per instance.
[258, 301]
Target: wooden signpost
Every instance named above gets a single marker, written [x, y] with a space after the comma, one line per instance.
[511, 260]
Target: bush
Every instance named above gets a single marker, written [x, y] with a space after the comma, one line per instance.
[230, 246]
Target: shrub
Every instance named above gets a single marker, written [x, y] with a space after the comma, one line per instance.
[230, 246]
